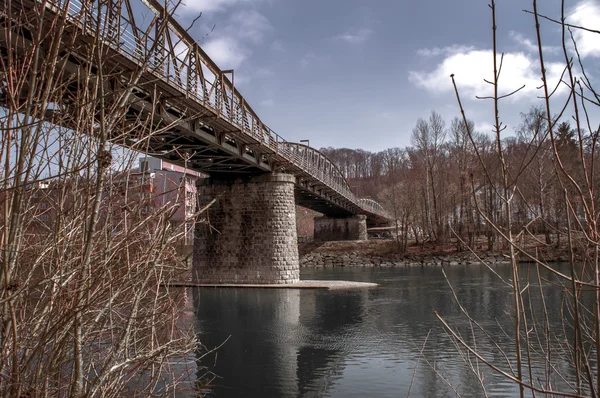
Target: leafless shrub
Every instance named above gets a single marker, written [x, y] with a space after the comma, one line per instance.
[554, 152]
[85, 303]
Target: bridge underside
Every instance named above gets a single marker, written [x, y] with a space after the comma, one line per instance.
[206, 134]
[164, 106]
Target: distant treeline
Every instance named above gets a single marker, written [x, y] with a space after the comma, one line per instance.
[435, 187]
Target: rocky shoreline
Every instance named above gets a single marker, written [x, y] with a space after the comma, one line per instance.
[331, 259]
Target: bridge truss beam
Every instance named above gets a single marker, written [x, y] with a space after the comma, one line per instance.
[200, 120]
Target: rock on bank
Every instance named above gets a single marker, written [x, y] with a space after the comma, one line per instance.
[381, 253]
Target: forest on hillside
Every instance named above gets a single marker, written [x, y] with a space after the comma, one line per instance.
[449, 181]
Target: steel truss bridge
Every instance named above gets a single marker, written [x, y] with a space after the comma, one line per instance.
[211, 126]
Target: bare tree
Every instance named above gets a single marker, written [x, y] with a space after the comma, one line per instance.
[428, 137]
[461, 145]
[85, 303]
[542, 155]
[533, 133]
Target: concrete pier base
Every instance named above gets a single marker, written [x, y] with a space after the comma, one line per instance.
[249, 236]
[308, 284]
[332, 229]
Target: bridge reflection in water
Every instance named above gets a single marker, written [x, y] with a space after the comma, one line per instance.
[277, 342]
[290, 343]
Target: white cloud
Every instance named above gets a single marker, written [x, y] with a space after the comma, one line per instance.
[359, 37]
[244, 76]
[471, 67]
[268, 103]
[277, 46]
[484, 127]
[437, 51]
[386, 114]
[250, 25]
[311, 58]
[241, 79]
[226, 52]
[263, 73]
[232, 44]
[213, 5]
[586, 14]
[529, 45]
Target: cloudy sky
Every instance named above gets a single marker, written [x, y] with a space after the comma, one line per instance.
[359, 73]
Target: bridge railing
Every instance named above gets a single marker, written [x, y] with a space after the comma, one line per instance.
[167, 50]
[309, 158]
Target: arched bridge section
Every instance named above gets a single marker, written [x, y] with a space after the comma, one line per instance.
[212, 126]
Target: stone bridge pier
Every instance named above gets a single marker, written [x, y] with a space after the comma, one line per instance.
[249, 236]
[348, 228]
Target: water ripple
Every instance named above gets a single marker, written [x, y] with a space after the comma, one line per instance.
[358, 343]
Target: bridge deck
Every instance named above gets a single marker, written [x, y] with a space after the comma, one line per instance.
[203, 121]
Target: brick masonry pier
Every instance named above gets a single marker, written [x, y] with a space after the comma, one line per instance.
[333, 229]
[250, 233]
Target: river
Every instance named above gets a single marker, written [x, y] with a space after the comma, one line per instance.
[362, 343]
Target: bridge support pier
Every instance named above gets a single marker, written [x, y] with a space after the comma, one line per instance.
[250, 234]
[350, 228]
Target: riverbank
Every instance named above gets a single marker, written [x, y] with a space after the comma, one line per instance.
[382, 253]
